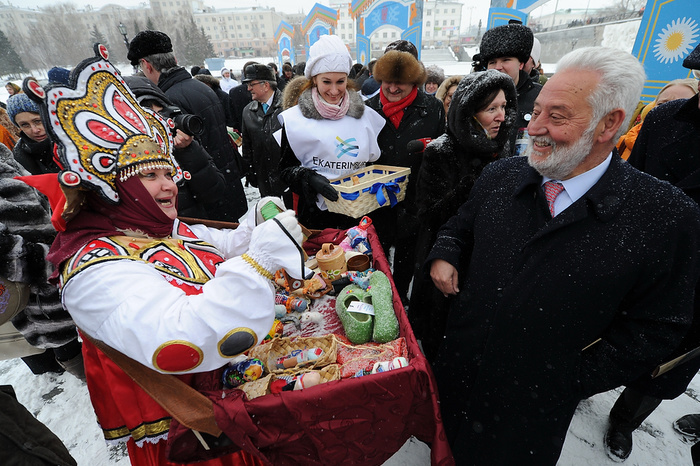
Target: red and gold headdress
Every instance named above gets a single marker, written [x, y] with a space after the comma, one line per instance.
[100, 130]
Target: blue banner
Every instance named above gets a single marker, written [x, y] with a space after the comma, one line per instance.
[667, 34]
[501, 16]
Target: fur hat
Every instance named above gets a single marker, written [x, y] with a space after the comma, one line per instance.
[509, 40]
[147, 43]
[259, 72]
[19, 103]
[328, 55]
[692, 61]
[399, 67]
[292, 91]
[403, 46]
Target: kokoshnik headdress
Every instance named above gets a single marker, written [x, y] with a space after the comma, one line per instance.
[100, 130]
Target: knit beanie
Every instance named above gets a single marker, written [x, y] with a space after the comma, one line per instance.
[536, 52]
[328, 55]
[509, 40]
[58, 75]
[19, 103]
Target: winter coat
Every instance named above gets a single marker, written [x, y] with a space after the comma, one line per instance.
[536, 293]
[424, 118]
[24, 440]
[260, 149]
[25, 237]
[35, 157]
[668, 147]
[199, 99]
[238, 97]
[527, 93]
[451, 165]
[227, 83]
[204, 194]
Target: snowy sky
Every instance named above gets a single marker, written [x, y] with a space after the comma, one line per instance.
[473, 10]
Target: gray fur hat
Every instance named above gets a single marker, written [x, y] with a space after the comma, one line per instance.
[509, 40]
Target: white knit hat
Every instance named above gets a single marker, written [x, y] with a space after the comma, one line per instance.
[328, 55]
[536, 51]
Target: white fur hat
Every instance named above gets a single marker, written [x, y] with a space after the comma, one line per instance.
[536, 51]
[328, 55]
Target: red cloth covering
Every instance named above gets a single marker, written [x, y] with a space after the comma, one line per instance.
[361, 420]
[394, 110]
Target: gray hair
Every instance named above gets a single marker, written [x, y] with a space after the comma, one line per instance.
[621, 80]
[162, 62]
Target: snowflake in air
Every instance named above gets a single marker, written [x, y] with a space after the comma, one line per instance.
[676, 40]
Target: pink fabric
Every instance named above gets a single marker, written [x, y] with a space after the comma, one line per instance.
[330, 111]
[551, 190]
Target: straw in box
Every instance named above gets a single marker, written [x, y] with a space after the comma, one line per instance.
[378, 185]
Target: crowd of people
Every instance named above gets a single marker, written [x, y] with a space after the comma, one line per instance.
[523, 250]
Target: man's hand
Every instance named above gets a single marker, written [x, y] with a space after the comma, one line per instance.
[445, 277]
[181, 140]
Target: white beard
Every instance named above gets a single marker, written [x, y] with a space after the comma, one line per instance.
[563, 159]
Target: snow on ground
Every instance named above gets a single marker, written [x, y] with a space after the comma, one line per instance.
[62, 403]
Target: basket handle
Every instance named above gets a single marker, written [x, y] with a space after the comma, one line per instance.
[327, 248]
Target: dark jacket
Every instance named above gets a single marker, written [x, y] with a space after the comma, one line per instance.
[260, 149]
[451, 165]
[668, 147]
[527, 93]
[238, 97]
[35, 157]
[26, 234]
[424, 118]
[195, 97]
[536, 290]
[24, 440]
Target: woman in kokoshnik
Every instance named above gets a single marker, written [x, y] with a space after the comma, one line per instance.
[180, 299]
[327, 134]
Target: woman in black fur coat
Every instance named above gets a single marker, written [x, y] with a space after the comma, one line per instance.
[480, 116]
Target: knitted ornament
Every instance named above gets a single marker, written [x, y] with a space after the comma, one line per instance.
[19, 103]
[147, 43]
[386, 325]
[100, 130]
[328, 55]
[509, 40]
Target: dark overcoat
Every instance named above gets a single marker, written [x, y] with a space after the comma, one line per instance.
[620, 265]
[195, 97]
[669, 149]
[260, 149]
[451, 165]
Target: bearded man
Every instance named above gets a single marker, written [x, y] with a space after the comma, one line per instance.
[573, 272]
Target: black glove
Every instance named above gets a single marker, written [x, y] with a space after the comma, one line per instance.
[321, 185]
[251, 179]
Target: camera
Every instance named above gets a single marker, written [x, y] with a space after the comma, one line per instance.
[189, 124]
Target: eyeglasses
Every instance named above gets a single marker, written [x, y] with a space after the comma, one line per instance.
[253, 84]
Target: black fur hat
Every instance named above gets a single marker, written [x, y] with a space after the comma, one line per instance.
[403, 46]
[147, 43]
[258, 72]
[692, 61]
[510, 40]
[400, 67]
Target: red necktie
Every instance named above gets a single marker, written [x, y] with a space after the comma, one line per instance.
[551, 190]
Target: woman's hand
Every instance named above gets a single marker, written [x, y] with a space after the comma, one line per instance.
[445, 277]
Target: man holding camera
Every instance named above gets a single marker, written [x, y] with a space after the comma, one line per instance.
[153, 52]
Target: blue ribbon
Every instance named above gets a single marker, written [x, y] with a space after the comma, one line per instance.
[392, 189]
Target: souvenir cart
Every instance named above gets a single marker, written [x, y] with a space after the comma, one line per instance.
[349, 416]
